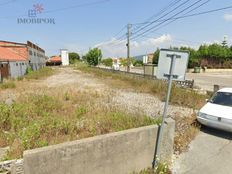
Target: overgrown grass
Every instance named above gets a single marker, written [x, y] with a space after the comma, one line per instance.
[179, 96]
[39, 120]
[41, 73]
[186, 130]
[8, 85]
[161, 168]
[186, 127]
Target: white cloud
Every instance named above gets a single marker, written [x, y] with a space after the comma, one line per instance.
[117, 48]
[227, 17]
[159, 40]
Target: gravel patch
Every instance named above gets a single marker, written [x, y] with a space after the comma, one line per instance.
[147, 104]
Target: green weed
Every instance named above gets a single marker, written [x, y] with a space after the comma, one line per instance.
[41, 73]
[8, 85]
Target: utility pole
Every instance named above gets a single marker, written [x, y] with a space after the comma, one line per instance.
[128, 46]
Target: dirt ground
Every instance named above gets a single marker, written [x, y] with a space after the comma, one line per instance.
[133, 101]
[65, 79]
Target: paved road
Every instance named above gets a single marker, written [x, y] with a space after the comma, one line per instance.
[209, 153]
[206, 81]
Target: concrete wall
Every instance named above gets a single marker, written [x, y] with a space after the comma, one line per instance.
[211, 70]
[116, 153]
[36, 58]
[18, 69]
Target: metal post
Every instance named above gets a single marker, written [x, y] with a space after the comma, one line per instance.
[128, 46]
[160, 133]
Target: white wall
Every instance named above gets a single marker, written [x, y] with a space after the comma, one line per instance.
[64, 57]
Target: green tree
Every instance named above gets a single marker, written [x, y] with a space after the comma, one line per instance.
[138, 63]
[93, 57]
[193, 57]
[73, 57]
[107, 62]
[156, 56]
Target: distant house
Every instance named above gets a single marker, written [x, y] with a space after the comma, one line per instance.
[54, 61]
[146, 58]
[15, 58]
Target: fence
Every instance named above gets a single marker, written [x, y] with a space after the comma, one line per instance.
[186, 83]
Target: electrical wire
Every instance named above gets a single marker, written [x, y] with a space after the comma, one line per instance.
[146, 31]
[8, 2]
[174, 19]
[77, 6]
[166, 14]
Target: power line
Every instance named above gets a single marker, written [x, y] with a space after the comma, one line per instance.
[138, 35]
[61, 9]
[162, 16]
[155, 15]
[120, 31]
[159, 13]
[174, 19]
[205, 12]
[8, 2]
[186, 16]
[77, 6]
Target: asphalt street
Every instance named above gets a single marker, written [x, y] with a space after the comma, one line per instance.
[209, 153]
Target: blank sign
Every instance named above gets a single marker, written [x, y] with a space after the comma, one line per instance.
[164, 64]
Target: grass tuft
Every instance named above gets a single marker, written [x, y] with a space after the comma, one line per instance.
[8, 85]
[41, 73]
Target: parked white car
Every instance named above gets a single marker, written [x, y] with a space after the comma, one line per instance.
[217, 113]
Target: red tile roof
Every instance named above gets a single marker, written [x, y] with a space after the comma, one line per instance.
[55, 59]
[7, 54]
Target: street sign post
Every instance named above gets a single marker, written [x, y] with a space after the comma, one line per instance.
[172, 65]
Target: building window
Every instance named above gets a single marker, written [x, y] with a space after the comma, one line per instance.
[16, 64]
[34, 54]
[22, 63]
[30, 52]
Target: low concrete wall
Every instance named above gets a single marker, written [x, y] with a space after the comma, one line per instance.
[116, 153]
[211, 70]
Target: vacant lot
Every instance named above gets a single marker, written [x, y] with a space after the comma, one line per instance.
[67, 105]
[70, 104]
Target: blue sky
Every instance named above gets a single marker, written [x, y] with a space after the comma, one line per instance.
[80, 28]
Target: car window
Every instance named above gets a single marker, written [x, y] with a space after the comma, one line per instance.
[222, 98]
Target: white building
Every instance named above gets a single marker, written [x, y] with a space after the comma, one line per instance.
[64, 57]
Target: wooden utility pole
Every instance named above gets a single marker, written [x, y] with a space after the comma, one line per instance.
[128, 46]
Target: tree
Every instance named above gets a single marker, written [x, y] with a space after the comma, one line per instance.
[193, 57]
[138, 63]
[73, 57]
[224, 42]
[107, 62]
[93, 57]
[156, 56]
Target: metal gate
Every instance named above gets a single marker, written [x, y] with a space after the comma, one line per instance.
[4, 70]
